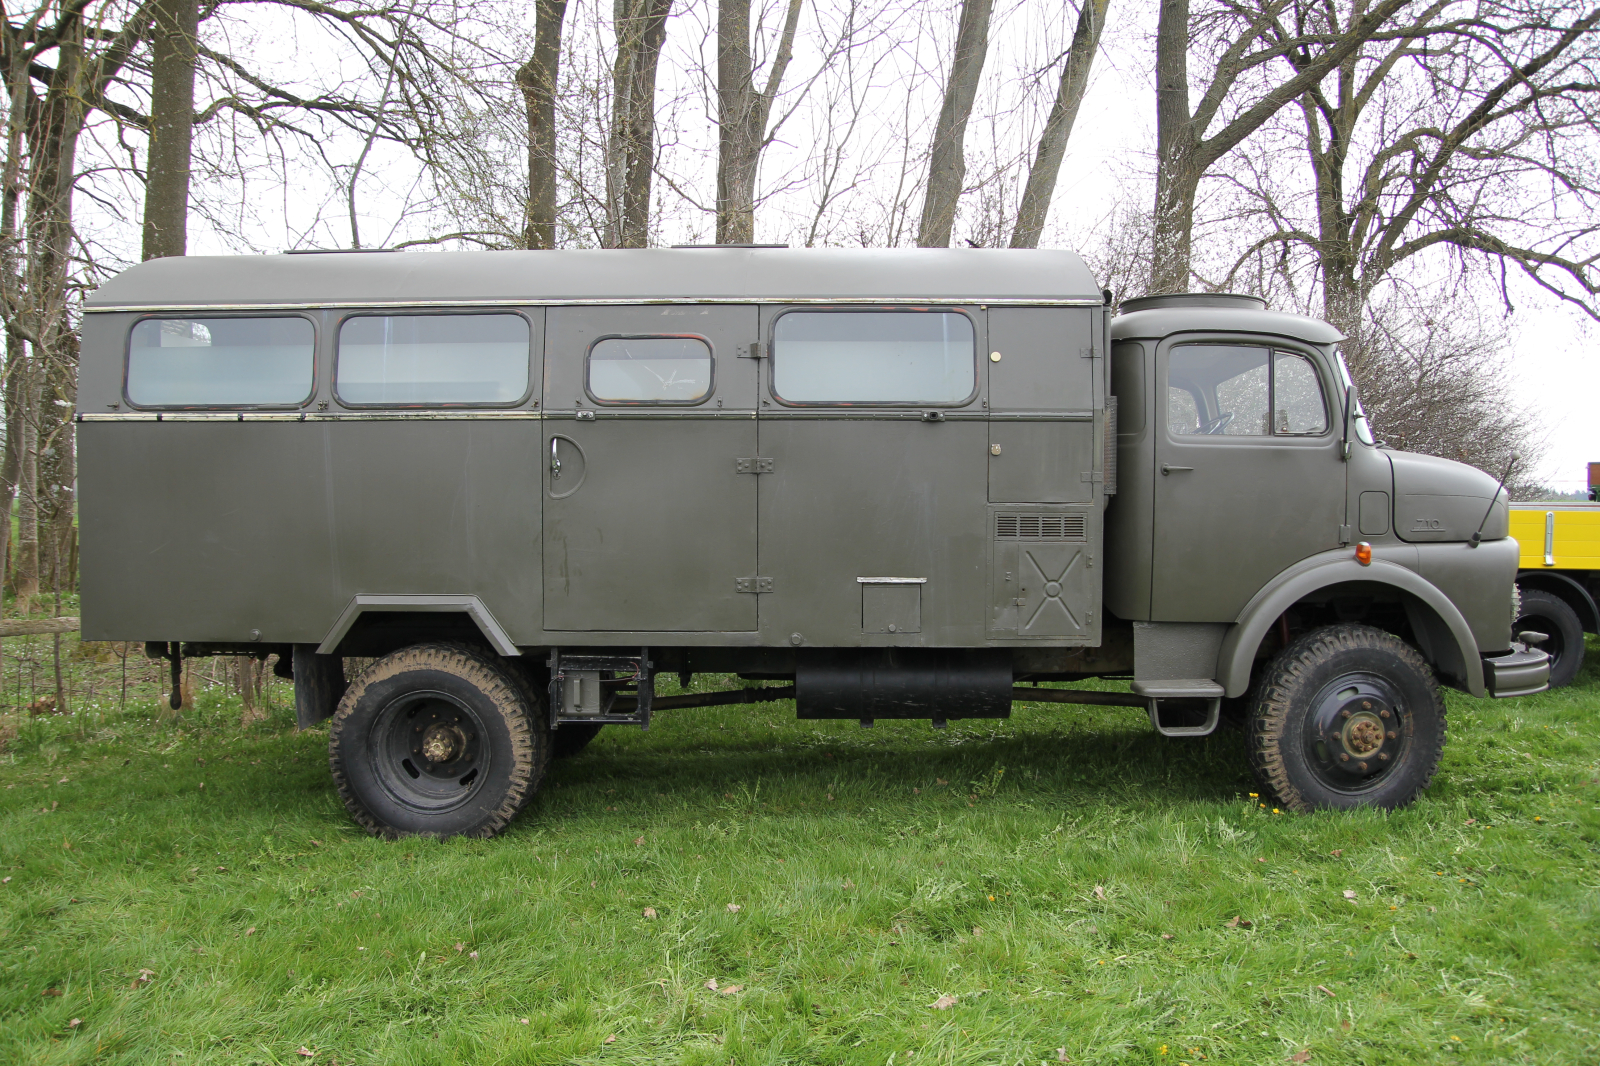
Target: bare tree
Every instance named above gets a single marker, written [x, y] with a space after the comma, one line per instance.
[641, 27]
[1244, 91]
[538, 78]
[1473, 133]
[742, 114]
[1041, 187]
[174, 39]
[947, 168]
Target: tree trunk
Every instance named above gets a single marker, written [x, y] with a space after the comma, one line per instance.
[1176, 179]
[1041, 187]
[11, 460]
[742, 113]
[947, 166]
[25, 577]
[538, 80]
[641, 27]
[54, 127]
[166, 189]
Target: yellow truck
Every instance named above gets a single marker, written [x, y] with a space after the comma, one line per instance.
[1559, 576]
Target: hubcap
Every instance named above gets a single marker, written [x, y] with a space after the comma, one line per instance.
[1356, 732]
[428, 751]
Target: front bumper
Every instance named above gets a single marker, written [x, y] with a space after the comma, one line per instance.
[1522, 671]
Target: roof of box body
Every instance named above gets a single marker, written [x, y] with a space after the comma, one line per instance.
[636, 275]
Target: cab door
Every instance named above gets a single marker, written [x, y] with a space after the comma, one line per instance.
[649, 431]
[1248, 475]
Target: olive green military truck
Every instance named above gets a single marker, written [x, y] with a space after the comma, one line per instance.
[882, 484]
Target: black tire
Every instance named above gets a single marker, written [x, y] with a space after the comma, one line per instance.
[570, 738]
[1545, 612]
[1346, 716]
[479, 721]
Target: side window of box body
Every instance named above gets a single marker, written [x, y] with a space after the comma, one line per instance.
[189, 334]
[674, 355]
[515, 355]
[815, 322]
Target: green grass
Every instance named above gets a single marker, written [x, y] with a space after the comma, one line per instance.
[1073, 886]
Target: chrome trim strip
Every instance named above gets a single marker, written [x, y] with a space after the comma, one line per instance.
[312, 416]
[891, 581]
[642, 301]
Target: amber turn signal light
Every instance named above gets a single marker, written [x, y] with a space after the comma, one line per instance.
[1364, 553]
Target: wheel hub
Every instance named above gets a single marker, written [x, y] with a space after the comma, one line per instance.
[443, 742]
[1357, 732]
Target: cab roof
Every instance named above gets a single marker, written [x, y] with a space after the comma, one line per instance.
[654, 275]
[1177, 318]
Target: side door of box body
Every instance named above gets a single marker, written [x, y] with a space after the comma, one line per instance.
[649, 521]
[873, 516]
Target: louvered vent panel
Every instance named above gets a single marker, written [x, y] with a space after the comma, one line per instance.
[1039, 527]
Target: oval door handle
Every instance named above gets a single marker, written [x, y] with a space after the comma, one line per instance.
[1165, 469]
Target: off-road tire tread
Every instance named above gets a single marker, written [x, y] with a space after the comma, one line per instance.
[1270, 716]
[530, 747]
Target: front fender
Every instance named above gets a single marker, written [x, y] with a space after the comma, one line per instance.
[1451, 647]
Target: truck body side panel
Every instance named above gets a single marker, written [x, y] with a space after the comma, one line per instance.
[867, 497]
[207, 531]
[1575, 535]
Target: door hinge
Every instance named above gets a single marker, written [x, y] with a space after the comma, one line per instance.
[749, 351]
[1345, 534]
[754, 585]
[752, 466]
[1087, 353]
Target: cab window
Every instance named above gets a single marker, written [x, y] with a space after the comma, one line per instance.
[221, 362]
[433, 360]
[1241, 390]
[661, 370]
[874, 357]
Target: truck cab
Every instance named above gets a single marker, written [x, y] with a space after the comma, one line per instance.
[891, 484]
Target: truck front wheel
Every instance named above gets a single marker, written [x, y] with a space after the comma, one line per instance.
[1346, 716]
[1545, 612]
[437, 740]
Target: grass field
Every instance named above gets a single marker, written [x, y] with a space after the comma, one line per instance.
[1064, 886]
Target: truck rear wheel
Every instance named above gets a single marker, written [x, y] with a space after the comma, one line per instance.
[1346, 716]
[1545, 612]
[437, 740]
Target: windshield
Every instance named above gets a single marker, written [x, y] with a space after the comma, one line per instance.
[1363, 427]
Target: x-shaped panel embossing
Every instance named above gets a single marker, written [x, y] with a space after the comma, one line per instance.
[1053, 588]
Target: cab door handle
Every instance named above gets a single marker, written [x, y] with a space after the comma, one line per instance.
[555, 459]
[1165, 469]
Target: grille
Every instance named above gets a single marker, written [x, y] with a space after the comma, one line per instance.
[1039, 526]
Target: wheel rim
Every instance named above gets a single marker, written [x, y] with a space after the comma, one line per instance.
[1356, 733]
[429, 751]
[1553, 645]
